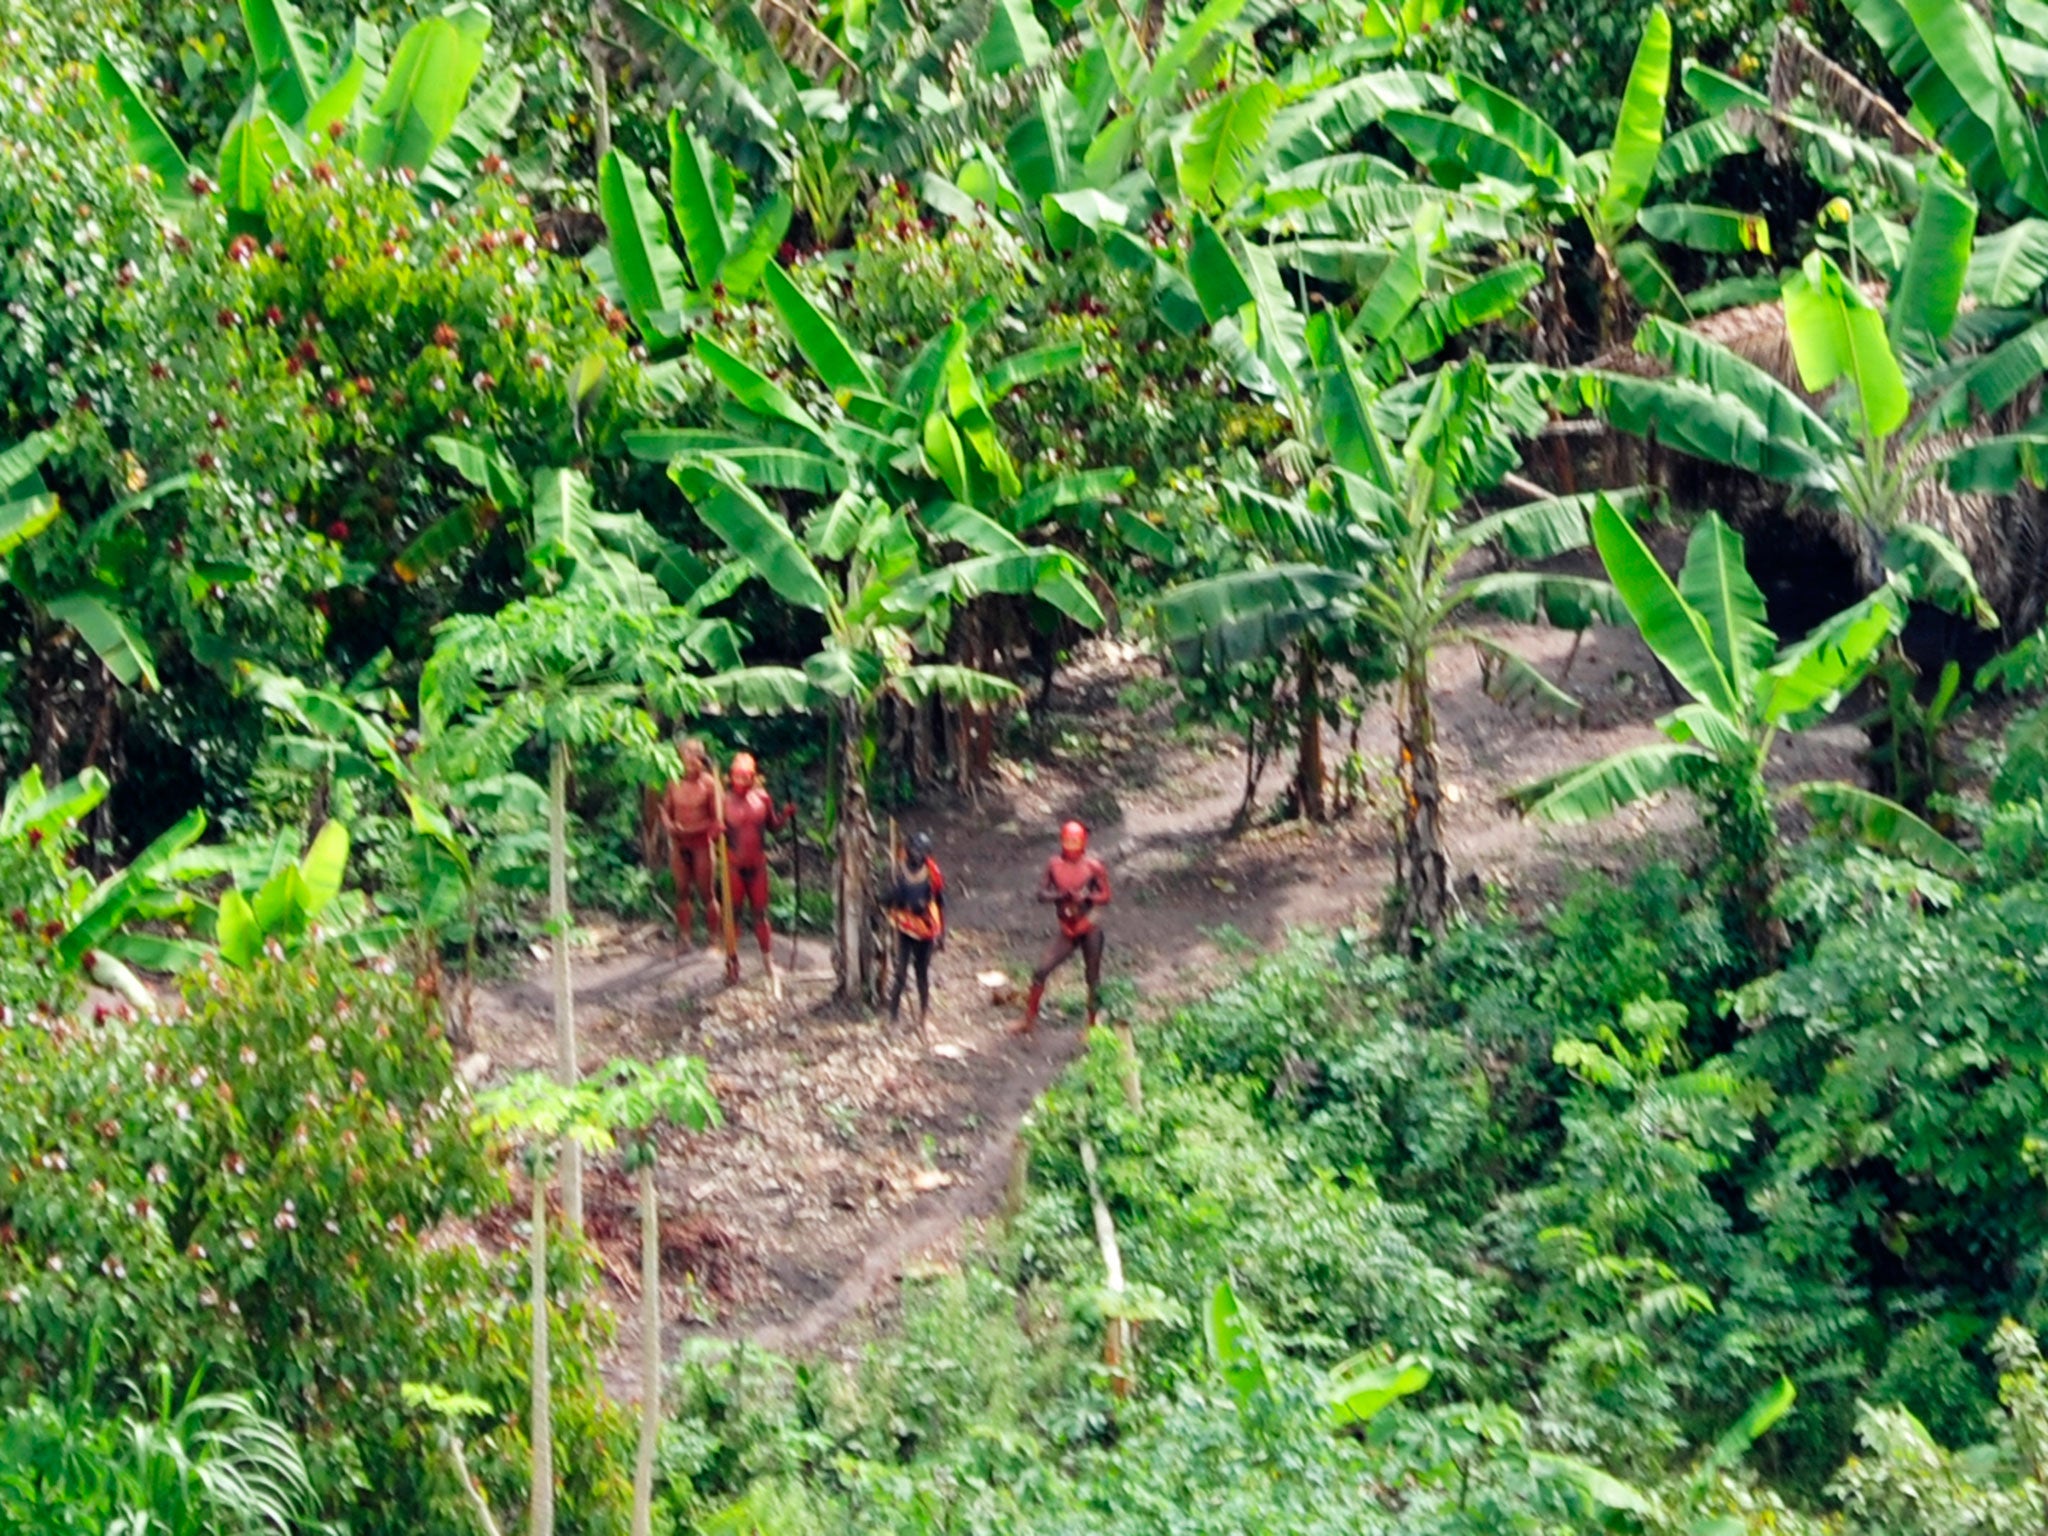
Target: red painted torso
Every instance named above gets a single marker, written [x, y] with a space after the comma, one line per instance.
[693, 808]
[1077, 880]
[749, 818]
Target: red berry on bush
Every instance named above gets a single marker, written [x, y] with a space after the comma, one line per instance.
[445, 335]
[338, 532]
[228, 319]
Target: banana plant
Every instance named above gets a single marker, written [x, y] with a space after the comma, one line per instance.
[1746, 689]
[1491, 137]
[410, 111]
[724, 249]
[1350, 1394]
[1382, 538]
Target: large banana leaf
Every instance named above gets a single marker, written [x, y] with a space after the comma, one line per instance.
[1542, 149]
[1999, 466]
[696, 204]
[1779, 412]
[110, 905]
[1512, 680]
[148, 141]
[1993, 381]
[765, 690]
[751, 530]
[479, 129]
[1082, 488]
[1930, 288]
[255, 148]
[2006, 269]
[1457, 153]
[816, 336]
[1944, 52]
[1538, 530]
[125, 653]
[1480, 302]
[1670, 626]
[1224, 621]
[1704, 423]
[751, 252]
[1638, 128]
[650, 277]
[1937, 572]
[956, 685]
[425, 88]
[22, 519]
[1614, 783]
[291, 58]
[1227, 143]
[1569, 602]
[1716, 583]
[755, 390]
[1701, 228]
[1810, 678]
[1885, 825]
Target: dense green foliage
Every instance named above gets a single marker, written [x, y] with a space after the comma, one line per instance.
[411, 413]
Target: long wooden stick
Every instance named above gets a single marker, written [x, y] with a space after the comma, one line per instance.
[1116, 1347]
[732, 941]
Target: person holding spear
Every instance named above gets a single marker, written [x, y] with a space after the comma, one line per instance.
[750, 815]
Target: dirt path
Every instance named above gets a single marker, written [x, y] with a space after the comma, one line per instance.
[851, 1153]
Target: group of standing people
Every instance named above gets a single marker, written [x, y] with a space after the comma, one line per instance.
[717, 835]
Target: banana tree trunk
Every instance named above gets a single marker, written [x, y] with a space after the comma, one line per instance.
[567, 1069]
[650, 1350]
[855, 945]
[1423, 869]
[540, 1510]
[1308, 771]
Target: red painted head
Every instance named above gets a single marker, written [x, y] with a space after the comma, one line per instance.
[743, 772]
[1073, 840]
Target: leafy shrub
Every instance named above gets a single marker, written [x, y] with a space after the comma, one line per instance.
[261, 1189]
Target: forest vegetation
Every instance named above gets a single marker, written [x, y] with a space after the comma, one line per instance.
[416, 417]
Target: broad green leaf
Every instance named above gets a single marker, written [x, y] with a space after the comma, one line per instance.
[236, 930]
[1456, 153]
[1538, 530]
[111, 904]
[1541, 148]
[2008, 268]
[1937, 572]
[1780, 413]
[1930, 286]
[1529, 597]
[1234, 1344]
[281, 905]
[1993, 381]
[751, 530]
[335, 106]
[755, 390]
[291, 58]
[1227, 142]
[764, 690]
[1395, 292]
[649, 274]
[1838, 335]
[696, 205]
[30, 807]
[424, 89]
[562, 511]
[1999, 466]
[1014, 39]
[126, 654]
[480, 128]
[1639, 127]
[1222, 621]
[817, 337]
[1708, 424]
[1480, 302]
[1219, 283]
[1670, 626]
[1701, 228]
[1610, 785]
[148, 141]
[1770, 1406]
[22, 520]
[1513, 681]
[1358, 1388]
[956, 685]
[485, 468]
[20, 464]
[322, 868]
[256, 148]
[748, 259]
[1885, 825]
[1813, 676]
[1082, 488]
[1716, 584]
[1021, 368]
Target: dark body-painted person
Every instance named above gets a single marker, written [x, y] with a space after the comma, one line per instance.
[916, 904]
[1076, 886]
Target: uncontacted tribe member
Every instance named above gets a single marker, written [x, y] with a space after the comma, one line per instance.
[750, 815]
[916, 904]
[1076, 883]
[693, 815]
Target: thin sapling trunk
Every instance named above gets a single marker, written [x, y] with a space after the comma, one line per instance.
[854, 950]
[1308, 775]
[650, 1347]
[567, 1070]
[541, 1502]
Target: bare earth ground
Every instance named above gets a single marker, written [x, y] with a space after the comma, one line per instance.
[850, 1153]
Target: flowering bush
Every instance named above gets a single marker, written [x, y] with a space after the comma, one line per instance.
[264, 1188]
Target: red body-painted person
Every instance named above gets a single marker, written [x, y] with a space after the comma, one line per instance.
[750, 815]
[1076, 885]
[693, 816]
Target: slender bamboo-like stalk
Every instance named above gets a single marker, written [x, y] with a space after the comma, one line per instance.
[567, 1069]
[650, 1348]
[1116, 1350]
[475, 1495]
[540, 1519]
